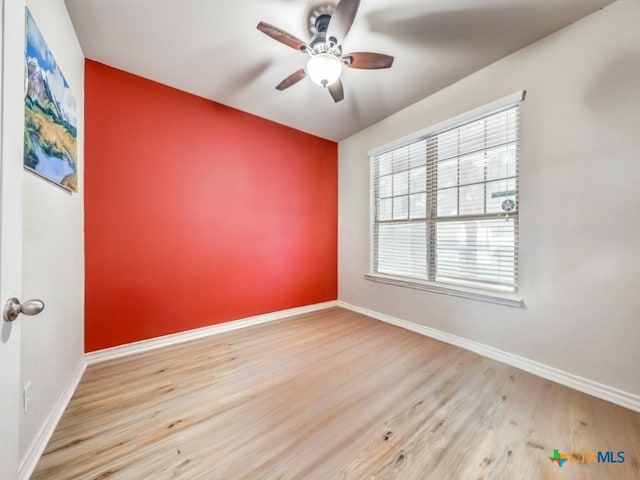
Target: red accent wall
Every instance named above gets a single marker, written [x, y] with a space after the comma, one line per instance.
[197, 213]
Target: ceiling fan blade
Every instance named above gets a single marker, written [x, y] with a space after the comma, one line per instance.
[342, 19]
[368, 60]
[281, 36]
[336, 90]
[292, 79]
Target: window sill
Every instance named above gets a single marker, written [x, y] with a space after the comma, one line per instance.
[498, 298]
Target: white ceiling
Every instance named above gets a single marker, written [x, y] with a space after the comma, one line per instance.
[212, 48]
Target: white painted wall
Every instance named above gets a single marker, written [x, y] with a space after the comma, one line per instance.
[53, 252]
[580, 203]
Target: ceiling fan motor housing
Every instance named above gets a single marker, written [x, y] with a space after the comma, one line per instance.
[319, 43]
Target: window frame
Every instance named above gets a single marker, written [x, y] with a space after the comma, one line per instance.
[472, 292]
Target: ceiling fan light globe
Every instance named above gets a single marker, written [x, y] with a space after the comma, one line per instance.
[324, 69]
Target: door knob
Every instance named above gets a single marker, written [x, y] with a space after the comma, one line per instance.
[13, 308]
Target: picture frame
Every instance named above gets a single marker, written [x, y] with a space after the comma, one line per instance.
[51, 133]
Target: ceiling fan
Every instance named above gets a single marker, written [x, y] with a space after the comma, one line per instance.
[325, 49]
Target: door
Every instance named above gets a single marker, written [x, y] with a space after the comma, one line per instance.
[11, 145]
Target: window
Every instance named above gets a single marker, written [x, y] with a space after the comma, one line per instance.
[445, 205]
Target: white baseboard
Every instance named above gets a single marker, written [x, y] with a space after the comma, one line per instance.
[40, 441]
[176, 338]
[605, 392]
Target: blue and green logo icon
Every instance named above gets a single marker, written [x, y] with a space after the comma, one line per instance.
[559, 458]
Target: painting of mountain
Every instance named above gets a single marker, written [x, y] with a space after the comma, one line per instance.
[50, 135]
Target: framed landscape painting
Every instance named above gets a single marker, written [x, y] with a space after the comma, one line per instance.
[50, 135]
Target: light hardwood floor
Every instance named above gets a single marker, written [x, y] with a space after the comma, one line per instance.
[330, 395]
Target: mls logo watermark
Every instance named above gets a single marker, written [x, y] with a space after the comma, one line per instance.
[582, 456]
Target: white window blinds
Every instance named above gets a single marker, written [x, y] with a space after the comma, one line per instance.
[446, 205]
